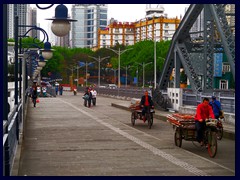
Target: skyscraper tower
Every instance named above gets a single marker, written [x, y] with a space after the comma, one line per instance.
[20, 10]
[33, 21]
[90, 18]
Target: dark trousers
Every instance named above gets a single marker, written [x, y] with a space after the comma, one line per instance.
[89, 102]
[200, 126]
[94, 101]
[145, 109]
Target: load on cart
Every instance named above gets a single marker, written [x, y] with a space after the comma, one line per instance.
[184, 125]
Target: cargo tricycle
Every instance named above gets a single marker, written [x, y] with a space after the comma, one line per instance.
[137, 115]
[184, 125]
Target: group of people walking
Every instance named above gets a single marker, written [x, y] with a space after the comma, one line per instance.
[59, 89]
[89, 97]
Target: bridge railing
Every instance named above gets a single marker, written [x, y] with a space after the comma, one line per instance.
[226, 98]
[11, 132]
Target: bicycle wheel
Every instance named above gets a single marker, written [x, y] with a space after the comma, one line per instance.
[150, 120]
[133, 118]
[212, 144]
[219, 130]
[219, 133]
[178, 137]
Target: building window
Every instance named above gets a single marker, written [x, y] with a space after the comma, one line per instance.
[223, 84]
[103, 23]
[103, 11]
[104, 36]
[116, 30]
[166, 25]
[226, 68]
[116, 37]
[103, 16]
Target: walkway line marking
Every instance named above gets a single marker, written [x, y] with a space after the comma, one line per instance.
[154, 150]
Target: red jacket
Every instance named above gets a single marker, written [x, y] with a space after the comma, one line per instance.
[204, 112]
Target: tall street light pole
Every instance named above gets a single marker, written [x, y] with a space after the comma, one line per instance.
[119, 54]
[155, 61]
[127, 67]
[155, 64]
[99, 60]
[143, 66]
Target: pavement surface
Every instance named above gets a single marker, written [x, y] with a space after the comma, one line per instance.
[228, 132]
[64, 138]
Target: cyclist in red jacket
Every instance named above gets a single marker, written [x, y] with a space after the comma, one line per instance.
[146, 102]
[204, 111]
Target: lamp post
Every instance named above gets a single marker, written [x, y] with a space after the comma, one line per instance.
[143, 66]
[127, 67]
[99, 60]
[155, 64]
[119, 54]
[114, 70]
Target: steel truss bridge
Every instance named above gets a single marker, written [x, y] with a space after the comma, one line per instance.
[196, 55]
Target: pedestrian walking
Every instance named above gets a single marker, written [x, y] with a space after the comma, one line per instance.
[56, 89]
[90, 97]
[34, 95]
[94, 96]
[86, 97]
[60, 90]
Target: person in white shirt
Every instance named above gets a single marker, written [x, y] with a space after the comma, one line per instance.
[94, 95]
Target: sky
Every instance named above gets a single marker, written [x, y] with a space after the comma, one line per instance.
[120, 12]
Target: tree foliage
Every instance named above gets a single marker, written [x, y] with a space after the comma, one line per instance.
[66, 58]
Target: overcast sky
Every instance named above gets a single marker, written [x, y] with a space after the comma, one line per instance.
[120, 12]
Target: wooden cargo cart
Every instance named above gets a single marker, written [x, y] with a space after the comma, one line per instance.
[184, 125]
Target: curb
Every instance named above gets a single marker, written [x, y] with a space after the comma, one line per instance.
[226, 134]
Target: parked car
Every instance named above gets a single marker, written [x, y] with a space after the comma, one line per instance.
[112, 86]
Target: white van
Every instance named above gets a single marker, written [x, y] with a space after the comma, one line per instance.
[112, 86]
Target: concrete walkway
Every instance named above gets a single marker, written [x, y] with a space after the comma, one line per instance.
[64, 138]
[228, 129]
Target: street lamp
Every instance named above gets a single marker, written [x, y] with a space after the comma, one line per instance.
[119, 54]
[127, 67]
[61, 23]
[99, 60]
[143, 66]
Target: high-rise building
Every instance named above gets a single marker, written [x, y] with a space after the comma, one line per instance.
[33, 22]
[10, 21]
[91, 17]
[20, 10]
[155, 26]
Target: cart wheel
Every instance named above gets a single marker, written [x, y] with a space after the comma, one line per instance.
[212, 144]
[178, 138]
[133, 118]
[219, 133]
[150, 120]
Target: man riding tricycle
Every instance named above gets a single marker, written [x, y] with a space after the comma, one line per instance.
[201, 128]
[143, 110]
